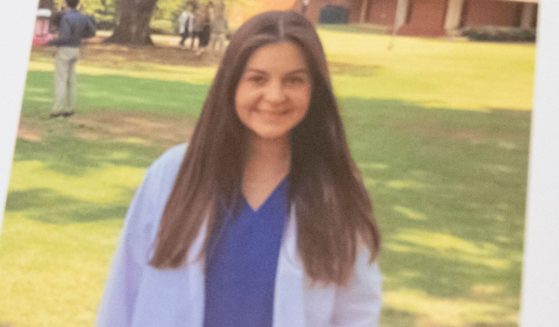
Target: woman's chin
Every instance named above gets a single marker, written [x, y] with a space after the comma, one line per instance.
[270, 135]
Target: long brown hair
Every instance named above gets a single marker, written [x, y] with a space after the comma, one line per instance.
[332, 208]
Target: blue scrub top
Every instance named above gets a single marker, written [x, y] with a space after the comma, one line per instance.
[242, 262]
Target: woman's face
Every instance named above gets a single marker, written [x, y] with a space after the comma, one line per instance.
[274, 91]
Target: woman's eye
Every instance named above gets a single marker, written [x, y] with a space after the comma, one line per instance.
[296, 80]
[256, 79]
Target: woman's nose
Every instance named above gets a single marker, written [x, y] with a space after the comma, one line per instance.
[275, 92]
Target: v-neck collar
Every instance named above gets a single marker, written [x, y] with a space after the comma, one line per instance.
[254, 211]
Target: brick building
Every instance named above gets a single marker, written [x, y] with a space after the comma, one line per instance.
[431, 17]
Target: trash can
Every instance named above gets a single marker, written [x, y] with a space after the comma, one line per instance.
[41, 35]
[331, 14]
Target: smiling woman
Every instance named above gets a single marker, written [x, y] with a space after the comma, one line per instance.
[273, 94]
[272, 98]
[263, 220]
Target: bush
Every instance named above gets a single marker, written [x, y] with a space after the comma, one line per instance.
[162, 26]
[104, 21]
[502, 34]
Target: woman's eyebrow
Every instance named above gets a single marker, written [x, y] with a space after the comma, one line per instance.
[261, 71]
[298, 71]
[255, 70]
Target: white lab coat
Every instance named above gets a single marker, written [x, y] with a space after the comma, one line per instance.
[139, 295]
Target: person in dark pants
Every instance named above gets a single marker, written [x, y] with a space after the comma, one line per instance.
[205, 29]
[196, 28]
[73, 28]
[186, 23]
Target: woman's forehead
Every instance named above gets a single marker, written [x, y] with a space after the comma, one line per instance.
[279, 55]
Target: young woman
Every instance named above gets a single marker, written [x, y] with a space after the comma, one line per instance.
[263, 219]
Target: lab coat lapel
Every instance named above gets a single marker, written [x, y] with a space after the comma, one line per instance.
[195, 278]
[289, 309]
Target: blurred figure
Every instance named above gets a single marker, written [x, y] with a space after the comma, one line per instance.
[196, 28]
[186, 24]
[204, 26]
[219, 29]
[73, 28]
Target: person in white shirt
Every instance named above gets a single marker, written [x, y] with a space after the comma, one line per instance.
[186, 22]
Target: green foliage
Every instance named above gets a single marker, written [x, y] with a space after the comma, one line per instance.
[163, 26]
[105, 7]
[106, 12]
[498, 33]
[169, 10]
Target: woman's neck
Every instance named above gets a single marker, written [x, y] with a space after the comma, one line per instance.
[267, 162]
[268, 157]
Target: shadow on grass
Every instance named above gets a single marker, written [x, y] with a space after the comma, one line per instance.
[449, 188]
[405, 319]
[74, 157]
[48, 206]
[118, 93]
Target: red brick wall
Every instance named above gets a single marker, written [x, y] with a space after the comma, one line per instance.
[354, 10]
[426, 17]
[381, 12]
[536, 17]
[488, 12]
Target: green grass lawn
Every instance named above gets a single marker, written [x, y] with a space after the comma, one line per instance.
[439, 128]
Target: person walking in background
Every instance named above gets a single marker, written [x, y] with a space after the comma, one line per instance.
[263, 219]
[73, 28]
[219, 29]
[219, 7]
[204, 17]
[186, 23]
[196, 28]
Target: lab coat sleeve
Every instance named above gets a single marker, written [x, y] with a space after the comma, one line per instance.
[118, 302]
[358, 303]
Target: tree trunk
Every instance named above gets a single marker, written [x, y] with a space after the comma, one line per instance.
[48, 4]
[133, 22]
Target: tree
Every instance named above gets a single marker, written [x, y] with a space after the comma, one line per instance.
[133, 22]
[47, 4]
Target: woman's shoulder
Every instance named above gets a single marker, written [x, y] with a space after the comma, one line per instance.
[168, 164]
[151, 196]
[171, 156]
[161, 175]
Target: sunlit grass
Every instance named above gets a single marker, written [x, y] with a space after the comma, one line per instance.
[477, 76]
[433, 311]
[109, 181]
[194, 75]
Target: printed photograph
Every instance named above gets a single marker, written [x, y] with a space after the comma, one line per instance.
[281, 163]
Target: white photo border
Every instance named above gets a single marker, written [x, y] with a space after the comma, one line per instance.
[16, 32]
[540, 282]
[540, 278]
